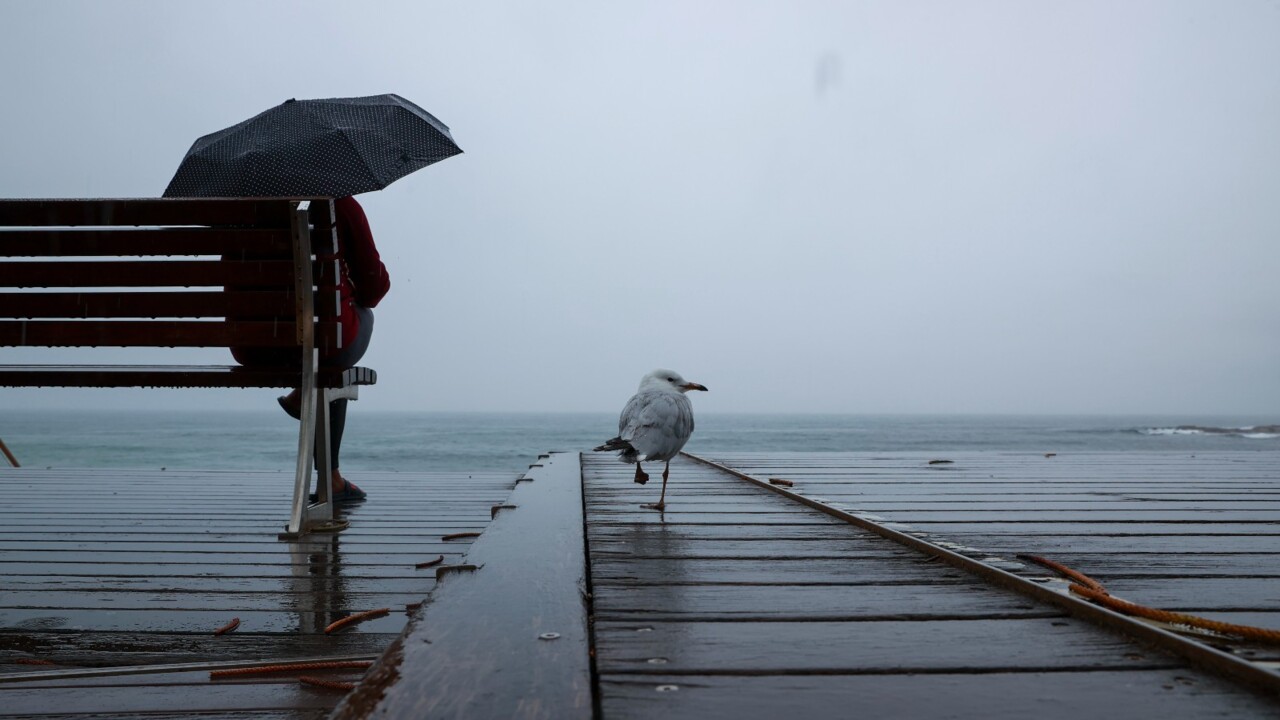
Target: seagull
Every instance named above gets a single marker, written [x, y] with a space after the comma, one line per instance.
[656, 422]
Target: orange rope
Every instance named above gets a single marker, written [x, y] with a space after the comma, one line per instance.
[263, 669]
[1087, 587]
[5, 449]
[1245, 631]
[1064, 570]
[321, 682]
[34, 661]
[358, 617]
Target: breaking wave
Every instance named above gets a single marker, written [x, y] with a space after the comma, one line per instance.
[1254, 432]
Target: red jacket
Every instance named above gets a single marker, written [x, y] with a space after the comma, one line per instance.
[363, 281]
[364, 277]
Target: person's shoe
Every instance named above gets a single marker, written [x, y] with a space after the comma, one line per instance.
[291, 409]
[348, 493]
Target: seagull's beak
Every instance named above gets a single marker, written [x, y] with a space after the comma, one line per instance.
[693, 386]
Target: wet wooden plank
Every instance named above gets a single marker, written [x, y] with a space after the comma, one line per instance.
[642, 547]
[689, 532]
[1138, 545]
[509, 639]
[904, 646]
[1171, 565]
[311, 618]
[1121, 517]
[772, 602]
[1140, 693]
[26, 703]
[707, 609]
[1175, 533]
[145, 566]
[89, 578]
[285, 587]
[315, 714]
[221, 600]
[607, 570]
[113, 649]
[1114, 529]
[140, 677]
[988, 502]
[141, 563]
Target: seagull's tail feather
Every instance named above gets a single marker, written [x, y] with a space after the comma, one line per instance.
[628, 454]
[615, 444]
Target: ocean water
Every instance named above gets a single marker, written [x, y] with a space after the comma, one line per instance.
[264, 440]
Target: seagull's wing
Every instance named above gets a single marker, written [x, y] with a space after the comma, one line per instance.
[657, 424]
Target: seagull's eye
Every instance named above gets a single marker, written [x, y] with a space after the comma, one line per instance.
[671, 379]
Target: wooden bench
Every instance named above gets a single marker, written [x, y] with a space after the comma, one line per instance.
[161, 273]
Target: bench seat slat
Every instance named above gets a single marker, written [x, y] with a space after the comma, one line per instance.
[175, 376]
[159, 333]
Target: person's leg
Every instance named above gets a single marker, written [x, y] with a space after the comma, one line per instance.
[337, 423]
[348, 357]
[338, 408]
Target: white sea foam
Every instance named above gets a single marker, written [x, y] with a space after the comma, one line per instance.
[1252, 432]
[1170, 431]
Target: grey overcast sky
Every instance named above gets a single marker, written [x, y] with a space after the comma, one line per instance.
[807, 206]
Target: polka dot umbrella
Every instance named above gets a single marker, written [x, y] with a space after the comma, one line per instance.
[315, 148]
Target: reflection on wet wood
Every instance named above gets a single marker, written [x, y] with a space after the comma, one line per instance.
[112, 568]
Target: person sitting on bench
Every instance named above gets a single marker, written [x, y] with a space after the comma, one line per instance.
[363, 283]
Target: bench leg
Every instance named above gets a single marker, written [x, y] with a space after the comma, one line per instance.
[314, 441]
[302, 478]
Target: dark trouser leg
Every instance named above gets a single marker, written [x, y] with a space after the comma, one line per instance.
[337, 423]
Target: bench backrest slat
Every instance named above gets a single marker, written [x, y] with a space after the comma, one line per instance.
[168, 241]
[159, 273]
[135, 274]
[156, 333]
[242, 212]
[121, 267]
[212, 304]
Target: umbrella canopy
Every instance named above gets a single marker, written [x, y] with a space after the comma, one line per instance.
[334, 147]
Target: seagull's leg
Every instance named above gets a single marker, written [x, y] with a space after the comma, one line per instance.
[662, 499]
[641, 476]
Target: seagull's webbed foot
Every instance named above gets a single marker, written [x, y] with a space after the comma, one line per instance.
[642, 477]
[659, 506]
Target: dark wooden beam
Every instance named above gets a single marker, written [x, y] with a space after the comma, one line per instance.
[508, 639]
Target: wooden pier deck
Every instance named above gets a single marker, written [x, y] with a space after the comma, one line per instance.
[1192, 533]
[111, 574]
[739, 603]
[881, 584]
